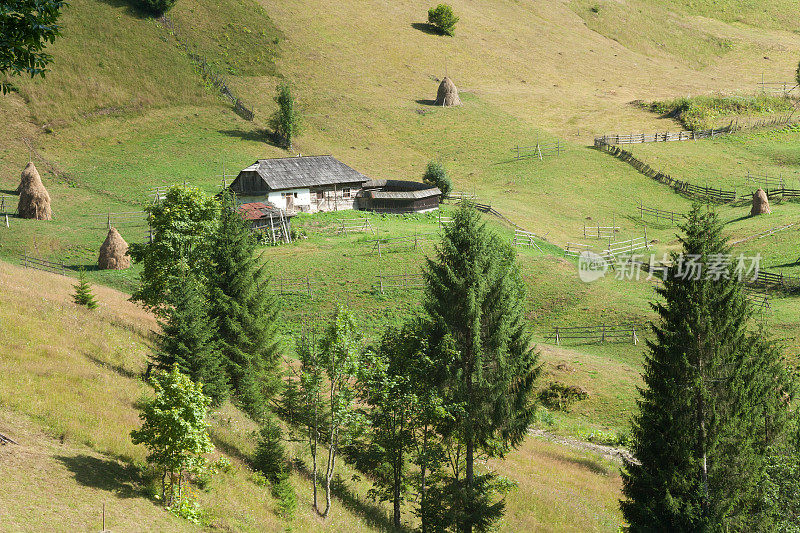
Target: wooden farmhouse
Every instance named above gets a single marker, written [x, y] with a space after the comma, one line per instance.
[307, 184]
[310, 184]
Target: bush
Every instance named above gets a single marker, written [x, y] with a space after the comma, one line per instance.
[797, 74]
[443, 18]
[287, 498]
[286, 120]
[560, 396]
[436, 175]
[158, 7]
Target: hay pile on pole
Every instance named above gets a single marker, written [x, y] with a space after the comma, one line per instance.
[114, 252]
[448, 93]
[34, 201]
[760, 203]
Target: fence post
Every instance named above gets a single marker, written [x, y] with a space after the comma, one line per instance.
[604, 333]
[558, 340]
[635, 339]
[308, 284]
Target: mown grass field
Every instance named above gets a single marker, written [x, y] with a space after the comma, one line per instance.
[124, 110]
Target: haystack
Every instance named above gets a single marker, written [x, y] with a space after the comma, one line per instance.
[34, 202]
[760, 203]
[447, 94]
[113, 252]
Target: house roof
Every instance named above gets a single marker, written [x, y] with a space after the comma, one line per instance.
[259, 210]
[305, 171]
[398, 190]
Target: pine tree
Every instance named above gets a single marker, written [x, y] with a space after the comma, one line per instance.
[710, 405]
[187, 339]
[475, 293]
[83, 292]
[244, 313]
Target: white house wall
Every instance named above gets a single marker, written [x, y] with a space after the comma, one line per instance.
[278, 199]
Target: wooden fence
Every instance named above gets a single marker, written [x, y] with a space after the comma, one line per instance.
[639, 138]
[684, 187]
[460, 196]
[628, 247]
[293, 285]
[574, 249]
[354, 225]
[125, 218]
[659, 214]
[765, 181]
[600, 232]
[208, 72]
[41, 264]
[538, 151]
[600, 333]
[400, 281]
[777, 87]
[414, 241]
[781, 281]
[783, 193]
[525, 238]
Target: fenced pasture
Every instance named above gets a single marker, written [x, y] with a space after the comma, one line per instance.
[600, 232]
[302, 285]
[782, 194]
[400, 281]
[765, 182]
[574, 249]
[601, 333]
[41, 264]
[628, 247]
[640, 138]
[765, 233]
[525, 238]
[131, 219]
[460, 196]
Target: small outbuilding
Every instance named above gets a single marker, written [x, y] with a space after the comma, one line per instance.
[267, 219]
[397, 196]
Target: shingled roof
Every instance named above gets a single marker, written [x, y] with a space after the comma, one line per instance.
[398, 190]
[306, 171]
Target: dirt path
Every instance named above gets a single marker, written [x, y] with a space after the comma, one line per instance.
[611, 453]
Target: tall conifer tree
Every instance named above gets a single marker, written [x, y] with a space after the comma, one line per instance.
[244, 313]
[475, 293]
[711, 399]
[187, 338]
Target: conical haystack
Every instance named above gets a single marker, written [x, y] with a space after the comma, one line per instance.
[113, 252]
[760, 203]
[447, 94]
[34, 202]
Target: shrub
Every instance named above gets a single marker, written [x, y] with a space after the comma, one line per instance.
[436, 175]
[286, 120]
[287, 498]
[443, 18]
[797, 74]
[560, 396]
[158, 7]
[83, 293]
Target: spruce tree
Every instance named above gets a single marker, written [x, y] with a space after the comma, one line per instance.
[474, 292]
[83, 292]
[244, 313]
[187, 338]
[710, 405]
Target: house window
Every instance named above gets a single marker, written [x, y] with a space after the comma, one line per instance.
[346, 192]
[320, 195]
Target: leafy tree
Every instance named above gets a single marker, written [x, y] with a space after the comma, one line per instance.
[797, 74]
[158, 7]
[183, 224]
[174, 429]
[713, 401]
[187, 338]
[443, 18]
[341, 358]
[436, 175]
[83, 292]
[26, 26]
[402, 386]
[475, 294]
[244, 312]
[286, 120]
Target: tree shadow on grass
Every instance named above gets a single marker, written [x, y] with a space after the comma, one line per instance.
[426, 102]
[229, 449]
[9, 191]
[745, 217]
[424, 27]
[122, 371]
[593, 465]
[132, 8]
[104, 474]
[373, 515]
[256, 135]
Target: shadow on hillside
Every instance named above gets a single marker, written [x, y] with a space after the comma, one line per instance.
[372, 514]
[744, 217]
[229, 450]
[104, 474]
[426, 102]
[9, 191]
[132, 8]
[786, 265]
[264, 136]
[424, 27]
[122, 371]
[90, 267]
[589, 463]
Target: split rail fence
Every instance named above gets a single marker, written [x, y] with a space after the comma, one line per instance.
[400, 281]
[600, 232]
[525, 238]
[42, 264]
[538, 151]
[293, 285]
[126, 218]
[354, 225]
[640, 138]
[415, 241]
[659, 214]
[600, 333]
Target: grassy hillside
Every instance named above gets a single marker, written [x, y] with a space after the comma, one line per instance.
[124, 109]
